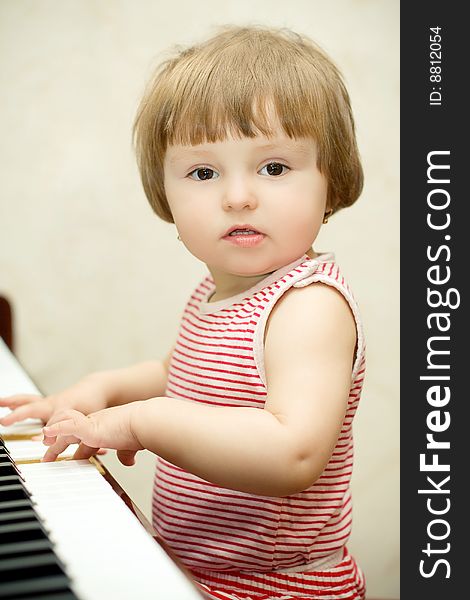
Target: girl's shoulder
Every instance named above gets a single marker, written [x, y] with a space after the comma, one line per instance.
[308, 296]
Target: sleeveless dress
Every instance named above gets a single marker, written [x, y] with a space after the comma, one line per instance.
[239, 545]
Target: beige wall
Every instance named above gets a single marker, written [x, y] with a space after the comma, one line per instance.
[98, 281]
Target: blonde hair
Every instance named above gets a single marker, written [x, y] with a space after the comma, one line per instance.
[226, 84]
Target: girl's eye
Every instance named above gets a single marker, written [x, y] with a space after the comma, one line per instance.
[274, 169]
[203, 173]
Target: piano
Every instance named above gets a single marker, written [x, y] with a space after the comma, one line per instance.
[65, 532]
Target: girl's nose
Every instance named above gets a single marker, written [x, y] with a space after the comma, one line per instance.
[238, 194]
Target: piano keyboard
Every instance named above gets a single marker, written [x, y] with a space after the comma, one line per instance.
[64, 532]
[29, 567]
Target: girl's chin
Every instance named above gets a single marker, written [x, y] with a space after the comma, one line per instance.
[252, 268]
[249, 263]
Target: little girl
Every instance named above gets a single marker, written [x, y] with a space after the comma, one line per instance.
[246, 142]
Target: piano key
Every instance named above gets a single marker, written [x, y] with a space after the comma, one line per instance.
[9, 505]
[28, 561]
[49, 596]
[14, 380]
[13, 377]
[22, 575]
[29, 450]
[22, 532]
[6, 470]
[24, 548]
[10, 479]
[18, 516]
[22, 429]
[13, 492]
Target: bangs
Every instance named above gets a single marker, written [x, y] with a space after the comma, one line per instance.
[235, 89]
[234, 104]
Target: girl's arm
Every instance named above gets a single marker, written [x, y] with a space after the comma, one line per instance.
[137, 382]
[92, 393]
[283, 449]
[277, 451]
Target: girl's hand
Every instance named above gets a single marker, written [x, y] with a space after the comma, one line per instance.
[88, 395]
[108, 428]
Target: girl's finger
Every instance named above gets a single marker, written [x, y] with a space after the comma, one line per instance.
[127, 457]
[62, 443]
[32, 410]
[69, 439]
[84, 451]
[60, 428]
[75, 424]
[18, 400]
[64, 414]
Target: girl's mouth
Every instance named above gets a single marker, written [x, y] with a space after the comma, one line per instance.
[244, 238]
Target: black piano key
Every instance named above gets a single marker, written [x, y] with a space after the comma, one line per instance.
[48, 595]
[18, 516]
[25, 548]
[10, 505]
[6, 459]
[7, 468]
[22, 588]
[22, 532]
[31, 575]
[47, 562]
[29, 568]
[10, 479]
[13, 492]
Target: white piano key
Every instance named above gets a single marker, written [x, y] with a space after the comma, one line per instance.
[108, 554]
[13, 380]
[22, 450]
[24, 428]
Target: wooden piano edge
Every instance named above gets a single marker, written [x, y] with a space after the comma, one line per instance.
[6, 322]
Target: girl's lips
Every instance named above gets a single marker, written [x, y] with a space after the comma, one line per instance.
[242, 227]
[245, 240]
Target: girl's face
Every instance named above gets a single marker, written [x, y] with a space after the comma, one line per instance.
[269, 189]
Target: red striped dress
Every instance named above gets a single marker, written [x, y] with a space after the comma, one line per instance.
[239, 545]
